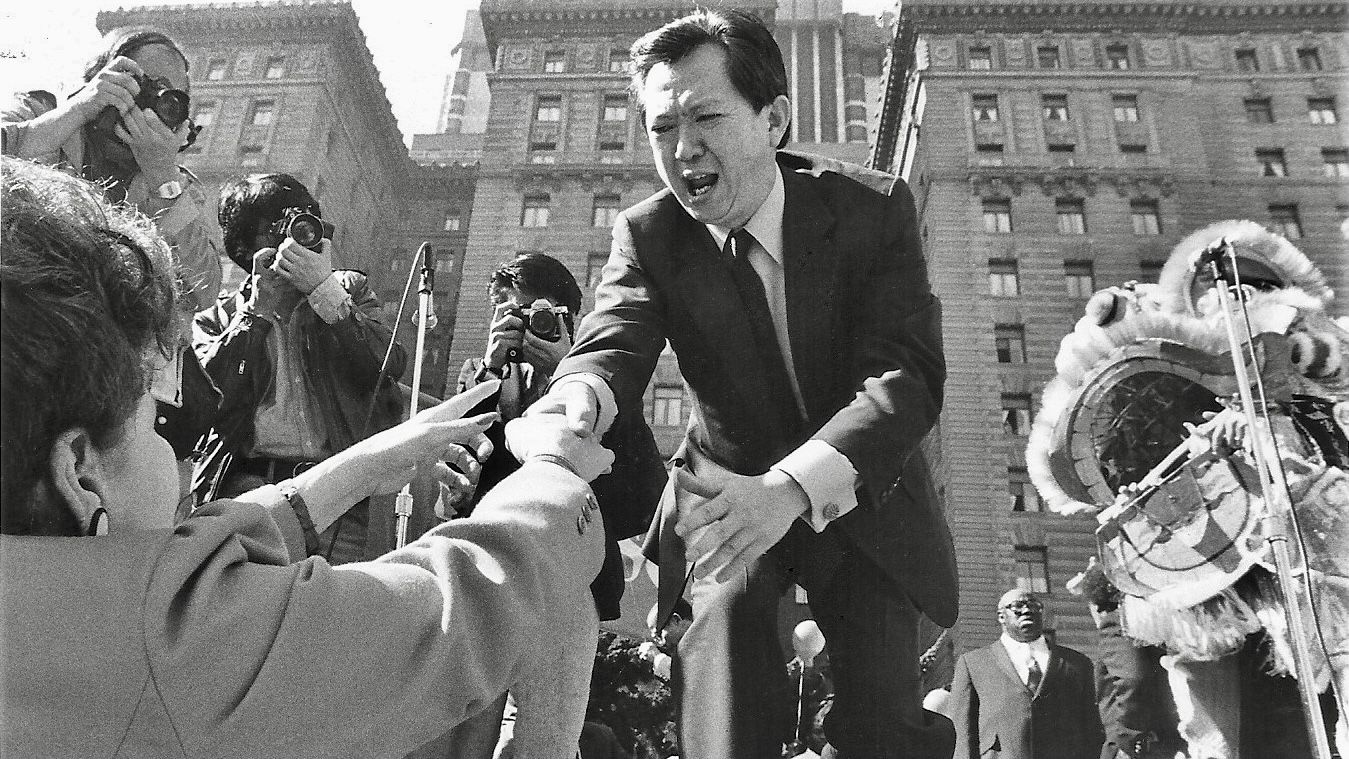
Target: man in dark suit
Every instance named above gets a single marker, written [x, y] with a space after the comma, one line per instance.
[1023, 697]
[795, 295]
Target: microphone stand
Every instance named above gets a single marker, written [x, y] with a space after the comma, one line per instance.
[1273, 487]
[403, 504]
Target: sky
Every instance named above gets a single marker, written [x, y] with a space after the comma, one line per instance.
[45, 43]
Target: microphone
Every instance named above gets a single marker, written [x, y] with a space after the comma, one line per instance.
[428, 257]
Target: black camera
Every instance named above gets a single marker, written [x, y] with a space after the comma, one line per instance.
[303, 227]
[543, 321]
[169, 104]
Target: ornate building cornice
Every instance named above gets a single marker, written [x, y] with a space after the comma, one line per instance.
[1185, 17]
[591, 177]
[1005, 181]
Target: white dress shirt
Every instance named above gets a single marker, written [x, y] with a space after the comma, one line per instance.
[1021, 654]
[827, 476]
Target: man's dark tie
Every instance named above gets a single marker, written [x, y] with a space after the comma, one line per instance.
[781, 399]
[1033, 676]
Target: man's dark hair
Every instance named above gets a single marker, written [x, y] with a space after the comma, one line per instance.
[248, 201]
[85, 289]
[540, 275]
[127, 41]
[754, 61]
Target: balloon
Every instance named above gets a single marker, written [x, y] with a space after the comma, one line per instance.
[807, 640]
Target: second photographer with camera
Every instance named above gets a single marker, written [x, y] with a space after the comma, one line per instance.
[296, 352]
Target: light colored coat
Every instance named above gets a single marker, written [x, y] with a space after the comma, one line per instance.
[207, 642]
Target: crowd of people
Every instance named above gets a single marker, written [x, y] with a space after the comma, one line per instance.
[192, 559]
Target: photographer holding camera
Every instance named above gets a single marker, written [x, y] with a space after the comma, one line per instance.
[123, 130]
[296, 351]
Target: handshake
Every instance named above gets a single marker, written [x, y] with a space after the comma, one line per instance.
[548, 437]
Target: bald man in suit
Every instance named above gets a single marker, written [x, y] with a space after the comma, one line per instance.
[1022, 697]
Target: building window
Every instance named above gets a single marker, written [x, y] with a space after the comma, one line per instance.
[1322, 111]
[1117, 56]
[1080, 278]
[605, 211]
[1132, 148]
[262, 112]
[1071, 216]
[453, 221]
[1146, 220]
[276, 67]
[1343, 211]
[215, 70]
[1126, 108]
[981, 58]
[250, 155]
[618, 61]
[1032, 568]
[667, 406]
[1055, 107]
[1063, 152]
[1309, 59]
[989, 155]
[1022, 493]
[1016, 414]
[615, 107]
[554, 62]
[203, 112]
[535, 213]
[1284, 219]
[1002, 278]
[997, 215]
[1048, 56]
[543, 151]
[1009, 341]
[1271, 162]
[1150, 271]
[1259, 111]
[595, 269]
[1336, 162]
[1247, 62]
[985, 107]
[548, 108]
[611, 152]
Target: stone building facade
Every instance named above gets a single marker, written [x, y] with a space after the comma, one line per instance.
[291, 87]
[1059, 147]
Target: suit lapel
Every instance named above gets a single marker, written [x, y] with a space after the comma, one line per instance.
[810, 262]
[1004, 661]
[1052, 671]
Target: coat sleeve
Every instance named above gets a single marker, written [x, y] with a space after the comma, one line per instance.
[621, 340]
[965, 711]
[361, 337]
[898, 365]
[255, 657]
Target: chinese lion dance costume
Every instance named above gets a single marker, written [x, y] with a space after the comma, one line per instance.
[1136, 428]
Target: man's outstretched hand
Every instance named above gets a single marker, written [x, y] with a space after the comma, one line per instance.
[738, 522]
[536, 435]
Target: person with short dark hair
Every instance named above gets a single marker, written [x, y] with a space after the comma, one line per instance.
[296, 352]
[794, 292]
[1024, 696]
[127, 636]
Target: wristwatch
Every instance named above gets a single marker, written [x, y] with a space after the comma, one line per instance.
[170, 189]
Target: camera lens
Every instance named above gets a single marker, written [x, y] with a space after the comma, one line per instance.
[307, 230]
[171, 106]
[543, 322]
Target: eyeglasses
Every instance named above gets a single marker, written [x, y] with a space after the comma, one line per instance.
[1024, 606]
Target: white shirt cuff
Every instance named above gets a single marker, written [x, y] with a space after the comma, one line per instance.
[827, 476]
[330, 300]
[605, 394]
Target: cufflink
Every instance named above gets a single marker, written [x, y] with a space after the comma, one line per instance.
[831, 511]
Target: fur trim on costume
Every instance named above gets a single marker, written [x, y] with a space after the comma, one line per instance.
[1251, 241]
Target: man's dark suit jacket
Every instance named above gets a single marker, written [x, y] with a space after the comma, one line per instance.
[866, 343]
[996, 716]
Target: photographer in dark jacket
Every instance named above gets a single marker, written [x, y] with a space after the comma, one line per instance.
[296, 352]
